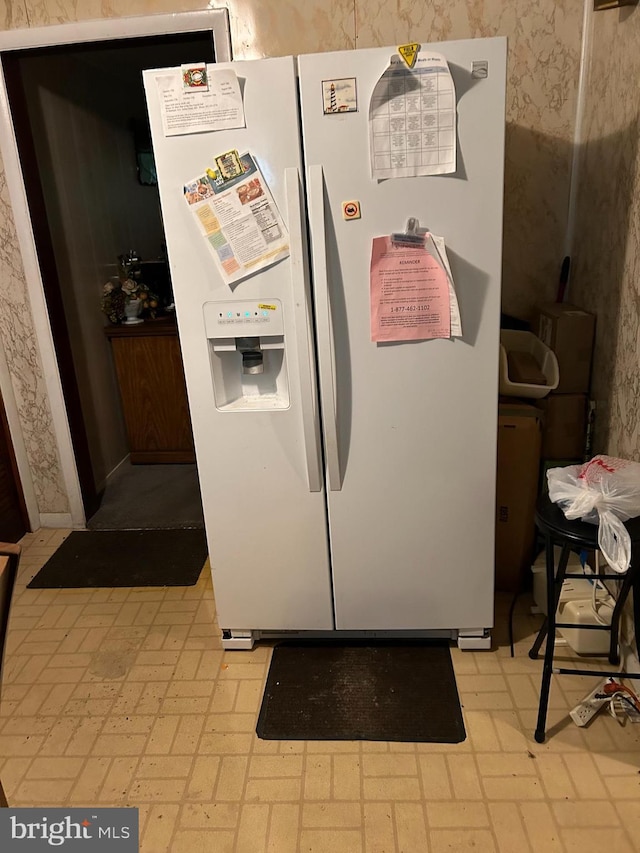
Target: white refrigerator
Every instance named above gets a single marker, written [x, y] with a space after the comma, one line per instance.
[350, 487]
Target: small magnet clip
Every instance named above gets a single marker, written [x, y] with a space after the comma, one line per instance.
[480, 68]
[414, 234]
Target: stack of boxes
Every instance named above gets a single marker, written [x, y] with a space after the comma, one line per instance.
[535, 435]
[519, 441]
[569, 332]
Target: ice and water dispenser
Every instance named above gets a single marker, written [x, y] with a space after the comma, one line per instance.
[247, 353]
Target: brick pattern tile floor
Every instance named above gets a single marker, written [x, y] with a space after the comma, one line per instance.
[115, 697]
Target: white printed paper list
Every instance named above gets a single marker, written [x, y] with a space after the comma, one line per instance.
[412, 120]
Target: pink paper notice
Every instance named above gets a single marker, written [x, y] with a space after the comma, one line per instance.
[409, 294]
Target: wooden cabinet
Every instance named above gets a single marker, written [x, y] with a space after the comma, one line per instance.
[154, 398]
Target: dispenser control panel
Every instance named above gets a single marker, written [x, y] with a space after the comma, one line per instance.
[242, 318]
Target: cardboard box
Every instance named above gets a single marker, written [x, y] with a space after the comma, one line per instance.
[564, 425]
[569, 331]
[519, 440]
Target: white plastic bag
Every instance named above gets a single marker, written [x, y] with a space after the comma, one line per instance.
[604, 491]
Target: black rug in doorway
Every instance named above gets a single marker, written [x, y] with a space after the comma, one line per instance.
[108, 558]
[391, 691]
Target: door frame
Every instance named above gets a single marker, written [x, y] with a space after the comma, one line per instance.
[214, 20]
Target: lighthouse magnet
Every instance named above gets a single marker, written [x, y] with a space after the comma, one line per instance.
[339, 96]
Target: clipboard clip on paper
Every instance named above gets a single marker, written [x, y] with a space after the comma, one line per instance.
[414, 234]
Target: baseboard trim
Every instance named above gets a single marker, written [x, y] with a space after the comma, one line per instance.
[58, 519]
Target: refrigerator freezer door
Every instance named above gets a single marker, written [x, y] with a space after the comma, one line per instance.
[258, 458]
[411, 511]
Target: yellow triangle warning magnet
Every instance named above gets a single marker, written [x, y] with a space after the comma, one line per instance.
[409, 52]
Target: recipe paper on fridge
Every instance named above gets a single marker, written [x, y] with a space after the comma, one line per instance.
[217, 107]
[409, 293]
[239, 220]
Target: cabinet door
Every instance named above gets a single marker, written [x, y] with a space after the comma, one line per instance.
[13, 513]
[154, 398]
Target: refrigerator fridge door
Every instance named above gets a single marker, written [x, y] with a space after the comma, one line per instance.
[256, 432]
[410, 428]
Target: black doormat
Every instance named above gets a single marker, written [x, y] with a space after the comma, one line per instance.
[108, 558]
[391, 691]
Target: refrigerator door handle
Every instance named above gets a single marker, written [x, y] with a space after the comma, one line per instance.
[300, 301]
[326, 349]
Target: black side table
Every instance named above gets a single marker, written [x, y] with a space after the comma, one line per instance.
[578, 535]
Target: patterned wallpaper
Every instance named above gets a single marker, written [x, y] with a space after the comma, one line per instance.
[544, 55]
[606, 275]
[18, 337]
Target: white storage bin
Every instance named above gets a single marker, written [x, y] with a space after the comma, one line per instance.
[514, 341]
[575, 605]
[585, 642]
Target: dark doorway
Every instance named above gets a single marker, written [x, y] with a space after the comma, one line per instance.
[80, 120]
